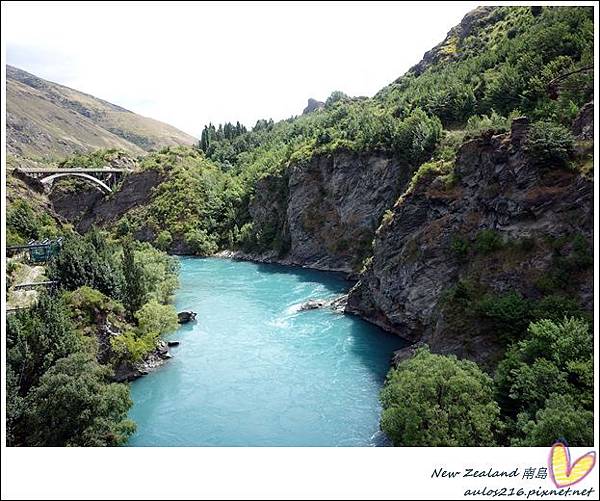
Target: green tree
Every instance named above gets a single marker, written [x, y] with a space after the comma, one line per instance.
[156, 318]
[436, 400]
[37, 337]
[560, 418]
[75, 404]
[15, 406]
[163, 240]
[160, 273]
[415, 137]
[90, 261]
[550, 144]
[133, 286]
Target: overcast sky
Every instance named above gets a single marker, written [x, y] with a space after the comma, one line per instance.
[188, 64]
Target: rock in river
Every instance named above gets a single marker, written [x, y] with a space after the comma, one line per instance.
[186, 316]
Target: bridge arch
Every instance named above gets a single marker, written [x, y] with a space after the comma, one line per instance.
[101, 185]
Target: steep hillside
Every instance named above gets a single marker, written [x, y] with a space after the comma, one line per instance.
[45, 119]
[467, 255]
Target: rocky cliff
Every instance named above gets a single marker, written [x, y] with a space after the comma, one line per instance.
[499, 224]
[86, 207]
[322, 213]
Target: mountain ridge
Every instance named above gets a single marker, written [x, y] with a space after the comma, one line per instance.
[50, 120]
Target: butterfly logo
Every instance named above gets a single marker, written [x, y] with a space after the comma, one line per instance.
[563, 471]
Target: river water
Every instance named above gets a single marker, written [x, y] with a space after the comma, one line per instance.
[255, 371]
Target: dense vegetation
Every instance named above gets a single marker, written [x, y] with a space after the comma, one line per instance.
[60, 362]
[25, 222]
[543, 390]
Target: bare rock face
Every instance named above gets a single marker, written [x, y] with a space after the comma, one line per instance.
[313, 105]
[88, 207]
[324, 211]
[335, 204]
[583, 126]
[495, 188]
[127, 371]
[446, 49]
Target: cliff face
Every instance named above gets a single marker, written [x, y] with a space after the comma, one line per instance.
[87, 207]
[532, 213]
[323, 213]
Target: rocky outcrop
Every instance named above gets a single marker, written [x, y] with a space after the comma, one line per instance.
[422, 251]
[126, 371]
[448, 48]
[322, 213]
[337, 304]
[313, 105]
[583, 126]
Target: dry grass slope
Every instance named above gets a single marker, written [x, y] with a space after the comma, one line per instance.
[48, 120]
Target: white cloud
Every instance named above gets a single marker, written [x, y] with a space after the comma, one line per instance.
[191, 63]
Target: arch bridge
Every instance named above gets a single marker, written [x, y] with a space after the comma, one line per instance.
[104, 179]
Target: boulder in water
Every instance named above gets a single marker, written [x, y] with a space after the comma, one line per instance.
[336, 304]
[170, 344]
[312, 304]
[186, 316]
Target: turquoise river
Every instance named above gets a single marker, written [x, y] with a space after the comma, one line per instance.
[253, 370]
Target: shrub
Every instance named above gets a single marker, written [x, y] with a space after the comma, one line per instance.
[549, 143]
[246, 238]
[556, 307]
[132, 346]
[459, 246]
[388, 217]
[486, 124]
[86, 303]
[507, 315]
[163, 240]
[415, 137]
[487, 241]
[433, 169]
[156, 318]
[24, 223]
[334, 97]
[200, 242]
[435, 400]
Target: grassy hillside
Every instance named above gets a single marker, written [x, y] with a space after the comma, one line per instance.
[48, 120]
